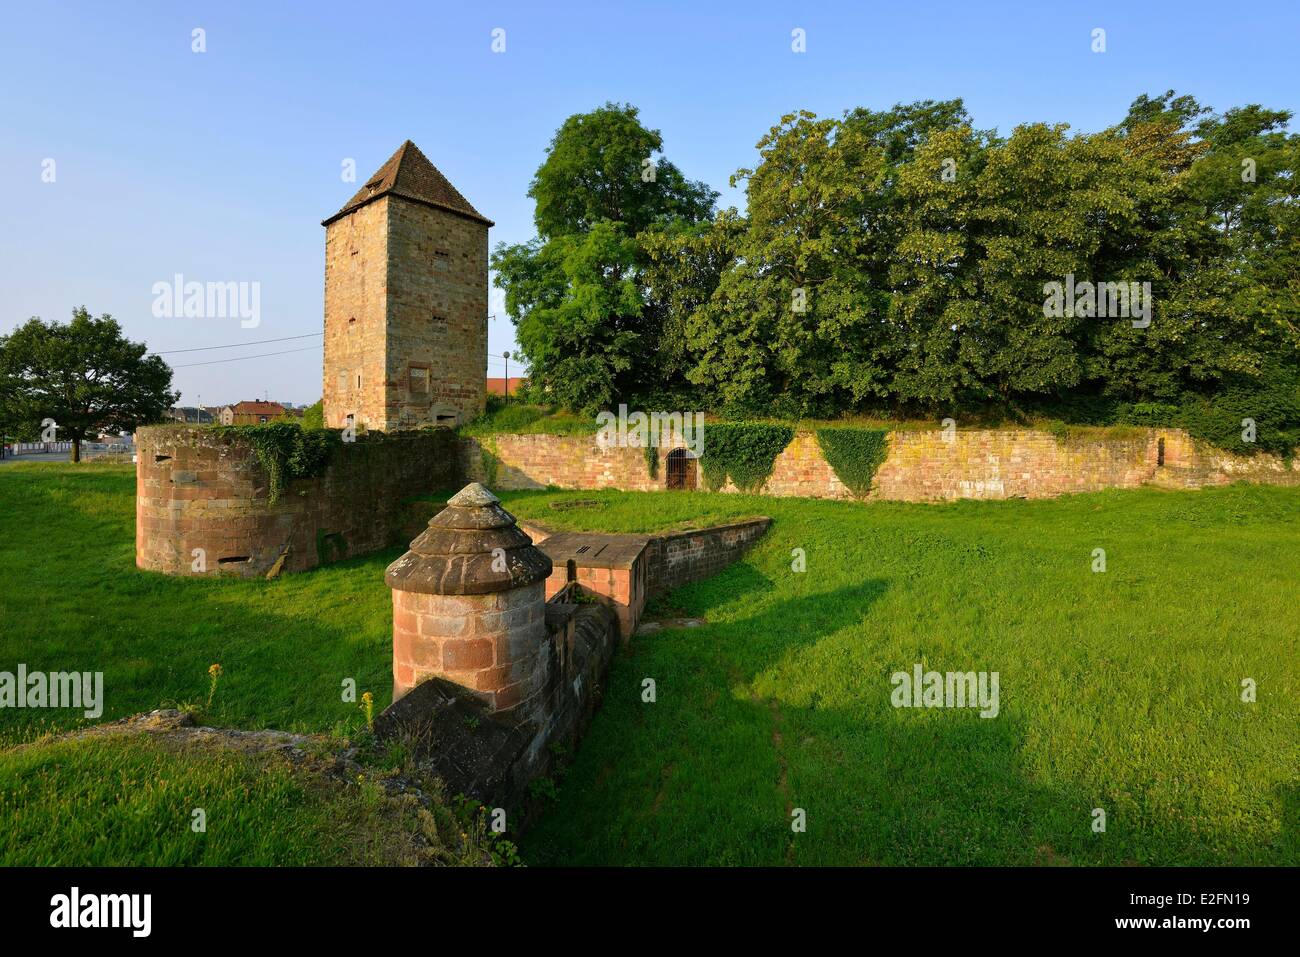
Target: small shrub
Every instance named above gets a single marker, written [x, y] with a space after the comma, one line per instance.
[491, 462]
[313, 417]
[1272, 401]
[1151, 414]
[286, 451]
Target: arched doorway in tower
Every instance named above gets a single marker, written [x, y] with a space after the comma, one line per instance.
[681, 470]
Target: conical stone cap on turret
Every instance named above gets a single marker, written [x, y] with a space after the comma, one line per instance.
[472, 547]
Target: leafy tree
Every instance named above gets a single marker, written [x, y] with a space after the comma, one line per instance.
[579, 308]
[601, 166]
[793, 324]
[682, 268]
[586, 326]
[900, 131]
[313, 417]
[84, 375]
[899, 258]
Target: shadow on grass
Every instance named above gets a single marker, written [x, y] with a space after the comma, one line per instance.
[712, 771]
[285, 646]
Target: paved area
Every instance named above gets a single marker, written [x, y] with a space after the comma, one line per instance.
[37, 457]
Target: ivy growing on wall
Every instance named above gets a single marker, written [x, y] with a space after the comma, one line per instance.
[652, 460]
[286, 451]
[743, 452]
[854, 454]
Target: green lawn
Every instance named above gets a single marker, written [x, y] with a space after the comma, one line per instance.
[117, 801]
[72, 598]
[1118, 690]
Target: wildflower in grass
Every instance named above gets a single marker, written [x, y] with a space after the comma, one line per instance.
[214, 673]
[368, 706]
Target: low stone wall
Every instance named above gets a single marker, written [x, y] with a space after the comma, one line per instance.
[1192, 464]
[623, 571]
[685, 557]
[516, 462]
[920, 465]
[491, 756]
[202, 506]
[199, 489]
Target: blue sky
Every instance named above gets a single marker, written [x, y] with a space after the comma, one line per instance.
[220, 165]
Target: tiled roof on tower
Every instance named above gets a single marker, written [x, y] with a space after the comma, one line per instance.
[409, 174]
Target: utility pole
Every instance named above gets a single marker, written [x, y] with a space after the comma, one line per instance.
[507, 358]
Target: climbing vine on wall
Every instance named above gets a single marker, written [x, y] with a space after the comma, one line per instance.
[743, 452]
[286, 451]
[652, 460]
[854, 454]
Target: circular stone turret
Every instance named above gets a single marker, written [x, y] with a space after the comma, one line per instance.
[469, 605]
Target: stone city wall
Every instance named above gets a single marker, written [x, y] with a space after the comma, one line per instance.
[920, 465]
[199, 490]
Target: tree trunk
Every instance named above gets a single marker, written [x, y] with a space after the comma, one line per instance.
[76, 450]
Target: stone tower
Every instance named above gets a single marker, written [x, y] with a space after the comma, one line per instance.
[406, 301]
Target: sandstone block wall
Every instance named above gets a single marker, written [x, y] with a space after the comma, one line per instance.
[676, 560]
[566, 461]
[356, 284]
[920, 465]
[493, 644]
[493, 757]
[1008, 464]
[406, 303]
[437, 316]
[197, 489]
[622, 590]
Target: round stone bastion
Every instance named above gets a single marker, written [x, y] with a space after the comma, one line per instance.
[469, 605]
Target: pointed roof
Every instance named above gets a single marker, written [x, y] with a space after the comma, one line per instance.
[472, 547]
[409, 174]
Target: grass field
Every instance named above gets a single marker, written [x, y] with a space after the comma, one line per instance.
[72, 598]
[1118, 690]
[116, 802]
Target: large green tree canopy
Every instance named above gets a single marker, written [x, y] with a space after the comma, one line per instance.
[83, 376]
[585, 323]
[899, 260]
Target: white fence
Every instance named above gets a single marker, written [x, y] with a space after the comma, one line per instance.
[20, 448]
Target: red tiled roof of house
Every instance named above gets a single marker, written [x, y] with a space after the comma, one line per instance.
[497, 385]
[409, 174]
[257, 408]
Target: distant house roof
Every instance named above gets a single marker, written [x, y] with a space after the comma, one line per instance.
[257, 408]
[409, 174]
[497, 386]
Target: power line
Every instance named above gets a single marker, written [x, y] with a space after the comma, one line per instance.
[236, 345]
[213, 362]
[262, 342]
